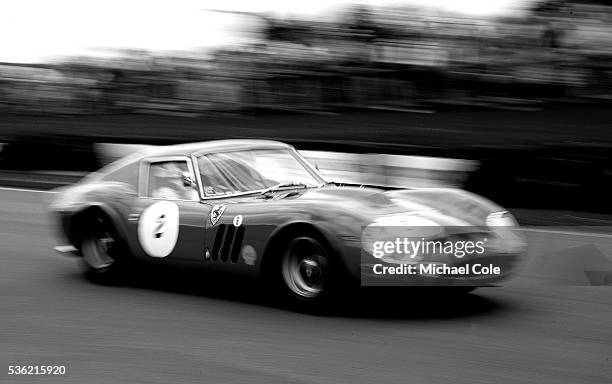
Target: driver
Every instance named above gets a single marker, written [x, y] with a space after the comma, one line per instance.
[168, 183]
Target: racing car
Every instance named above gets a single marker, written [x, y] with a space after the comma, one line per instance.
[258, 208]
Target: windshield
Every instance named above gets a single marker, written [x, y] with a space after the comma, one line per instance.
[253, 170]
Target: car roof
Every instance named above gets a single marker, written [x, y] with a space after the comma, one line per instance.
[152, 151]
[211, 146]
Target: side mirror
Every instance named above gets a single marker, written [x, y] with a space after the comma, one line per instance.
[187, 180]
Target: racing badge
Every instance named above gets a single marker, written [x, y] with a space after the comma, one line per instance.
[158, 228]
[216, 212]
[237, 220]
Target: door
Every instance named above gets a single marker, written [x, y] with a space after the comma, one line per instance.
[169, 215]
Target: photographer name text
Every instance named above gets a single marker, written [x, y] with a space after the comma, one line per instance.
[437, 269]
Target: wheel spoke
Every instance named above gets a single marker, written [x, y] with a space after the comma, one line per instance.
[97, 251]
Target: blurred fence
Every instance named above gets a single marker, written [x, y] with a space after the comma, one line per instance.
[535, 177]
[392, 170]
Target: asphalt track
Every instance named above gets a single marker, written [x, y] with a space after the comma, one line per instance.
[153, 332]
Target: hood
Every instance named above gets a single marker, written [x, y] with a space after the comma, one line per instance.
[446, 206]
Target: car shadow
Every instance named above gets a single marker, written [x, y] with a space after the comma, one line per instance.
[380, 303]
[420, 303]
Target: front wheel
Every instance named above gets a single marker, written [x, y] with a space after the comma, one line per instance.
[308, 275]
[306, 268]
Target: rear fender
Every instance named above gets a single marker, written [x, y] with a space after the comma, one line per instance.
[112, 213]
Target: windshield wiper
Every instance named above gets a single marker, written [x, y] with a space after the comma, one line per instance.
[283, 185]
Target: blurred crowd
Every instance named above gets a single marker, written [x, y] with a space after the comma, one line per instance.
[395, 58]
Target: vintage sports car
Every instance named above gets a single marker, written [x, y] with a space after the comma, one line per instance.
[258, 208]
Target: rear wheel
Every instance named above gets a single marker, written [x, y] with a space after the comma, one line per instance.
[104, 255]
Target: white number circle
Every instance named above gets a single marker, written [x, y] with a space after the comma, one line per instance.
[158, 228]
[237, 220]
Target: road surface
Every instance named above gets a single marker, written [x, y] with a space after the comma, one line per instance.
[156, 333]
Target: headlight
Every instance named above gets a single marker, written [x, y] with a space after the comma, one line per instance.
[501, 219]
[508, 238]
[404, 220]
[385, 232]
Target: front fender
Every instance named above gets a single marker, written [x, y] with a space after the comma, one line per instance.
[347, 254]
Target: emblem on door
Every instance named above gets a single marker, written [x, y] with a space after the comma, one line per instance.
[216, 212]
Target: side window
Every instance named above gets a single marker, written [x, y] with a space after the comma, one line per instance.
[223, 173]
[166, 181]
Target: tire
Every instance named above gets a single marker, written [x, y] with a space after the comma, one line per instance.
[104, 255]
[307, 275]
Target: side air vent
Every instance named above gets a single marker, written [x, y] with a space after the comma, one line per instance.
[228, 242]
[237, 244]
[218, 241]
